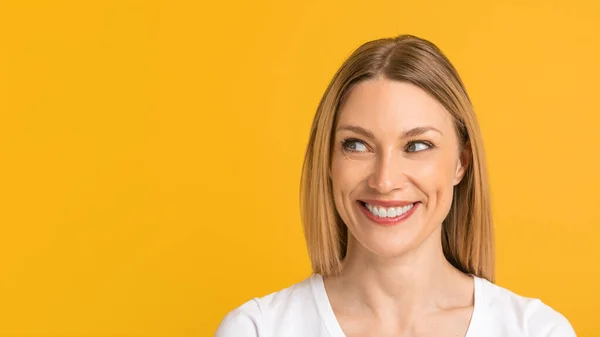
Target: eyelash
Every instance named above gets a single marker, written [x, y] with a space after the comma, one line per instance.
[347, 141]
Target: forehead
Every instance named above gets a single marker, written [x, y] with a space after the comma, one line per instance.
[383, 105]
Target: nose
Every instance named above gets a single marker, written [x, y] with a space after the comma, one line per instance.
[387, 174]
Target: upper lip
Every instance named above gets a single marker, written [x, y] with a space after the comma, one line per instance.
[388, 203]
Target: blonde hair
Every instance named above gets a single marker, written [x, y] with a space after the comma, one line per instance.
[467, 233]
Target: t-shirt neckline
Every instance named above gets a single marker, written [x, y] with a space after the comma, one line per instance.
[335, 330]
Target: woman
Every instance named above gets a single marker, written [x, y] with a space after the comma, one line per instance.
[396, 210]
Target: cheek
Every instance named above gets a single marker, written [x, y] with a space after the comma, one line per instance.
[347, 176]
[437, 173]
[435, 179]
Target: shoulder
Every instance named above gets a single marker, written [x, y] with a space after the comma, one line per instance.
[243, 321]
[544, 321]
[258, 316]
[530, 316]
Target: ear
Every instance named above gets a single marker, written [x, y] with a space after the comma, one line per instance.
[464, 161]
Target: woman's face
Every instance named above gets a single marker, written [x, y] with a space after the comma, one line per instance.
[395, 162]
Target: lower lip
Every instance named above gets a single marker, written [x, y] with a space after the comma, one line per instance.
[387, 221]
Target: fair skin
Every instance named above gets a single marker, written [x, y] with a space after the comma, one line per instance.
[395, 280]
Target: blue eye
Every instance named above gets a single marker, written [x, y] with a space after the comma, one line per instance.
[353, 145]
[418, 146]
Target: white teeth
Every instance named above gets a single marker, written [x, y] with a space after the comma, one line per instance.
[391, 212]
[382, 212]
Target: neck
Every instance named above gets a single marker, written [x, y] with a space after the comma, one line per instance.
[415, 283]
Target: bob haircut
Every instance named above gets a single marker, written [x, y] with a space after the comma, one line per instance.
[467, 233]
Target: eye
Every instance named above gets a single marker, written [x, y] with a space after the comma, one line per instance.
[353, 145]
[418, 146]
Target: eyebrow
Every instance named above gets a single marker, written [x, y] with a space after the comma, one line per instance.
[414, 132]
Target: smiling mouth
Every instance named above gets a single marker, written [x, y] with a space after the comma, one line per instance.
[388, 215]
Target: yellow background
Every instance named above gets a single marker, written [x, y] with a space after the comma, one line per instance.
[150, 151]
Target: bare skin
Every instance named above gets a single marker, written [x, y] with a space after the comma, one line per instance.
[395, 280]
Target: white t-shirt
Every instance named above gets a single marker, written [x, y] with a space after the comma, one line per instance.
[303, 310]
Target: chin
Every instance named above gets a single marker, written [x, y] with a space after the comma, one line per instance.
[387, 245]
